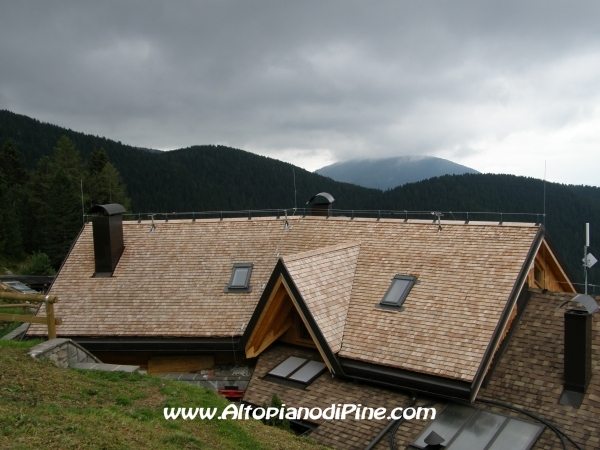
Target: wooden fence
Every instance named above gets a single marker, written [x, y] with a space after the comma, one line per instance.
[49, 300]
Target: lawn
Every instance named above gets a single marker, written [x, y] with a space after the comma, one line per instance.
[42, 406]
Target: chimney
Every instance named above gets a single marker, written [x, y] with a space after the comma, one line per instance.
[107, 224]
[578, 350]
[320, 204]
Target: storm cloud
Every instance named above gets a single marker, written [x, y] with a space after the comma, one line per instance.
[497, 86]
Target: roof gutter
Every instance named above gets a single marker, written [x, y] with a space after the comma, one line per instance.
[498, 332]
[391, 377]
[158, 345]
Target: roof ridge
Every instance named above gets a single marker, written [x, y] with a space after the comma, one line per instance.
[319, 251]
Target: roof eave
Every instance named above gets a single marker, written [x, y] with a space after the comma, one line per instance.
[404, 379]
[157, 344]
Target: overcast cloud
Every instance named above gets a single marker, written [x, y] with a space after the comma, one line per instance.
[497, 86]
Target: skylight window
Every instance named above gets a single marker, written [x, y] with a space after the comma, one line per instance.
[294, 371]
[463, 427]
[397, 292]
[240, 278]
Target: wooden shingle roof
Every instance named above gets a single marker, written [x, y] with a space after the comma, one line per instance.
[170, 283]
[530, 374]
[324, 278]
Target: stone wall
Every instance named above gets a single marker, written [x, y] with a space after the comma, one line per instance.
[63, 352]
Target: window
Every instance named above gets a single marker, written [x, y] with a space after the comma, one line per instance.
[463, 427]
[295, 371]
[539, 276]
[240, 278]
[397, 292]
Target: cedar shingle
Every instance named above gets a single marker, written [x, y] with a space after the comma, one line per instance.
[170, 284]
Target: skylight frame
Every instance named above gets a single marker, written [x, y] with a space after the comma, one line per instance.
[469, 420]
[299, 366]
[396, 305]
[245, 287]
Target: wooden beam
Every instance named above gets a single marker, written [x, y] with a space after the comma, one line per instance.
[30, 319]
[274, 292]
[50, 320]
[37, 298]
[555, 279]
[273, 318]
[557, 265]
[20, 305]
[268, 339]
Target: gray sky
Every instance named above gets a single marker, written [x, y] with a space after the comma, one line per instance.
[497, 86]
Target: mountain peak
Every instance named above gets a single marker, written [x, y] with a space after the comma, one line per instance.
[388, 173]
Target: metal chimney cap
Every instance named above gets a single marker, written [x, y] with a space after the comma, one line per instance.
[434, 440]
[588, 302]
[326, 200]
[112, 209]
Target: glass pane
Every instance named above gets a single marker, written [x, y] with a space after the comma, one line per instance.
[446, 424]
[516, 435]
[308, 372]
[479, 431]
[287, 367]
[395, 293]
[239, 277]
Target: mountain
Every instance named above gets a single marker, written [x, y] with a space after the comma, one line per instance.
[215, 178]
[387, 173]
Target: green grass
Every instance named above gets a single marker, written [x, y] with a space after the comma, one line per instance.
[42, 406]
[17, 345]
[11, 325]
[14, 325]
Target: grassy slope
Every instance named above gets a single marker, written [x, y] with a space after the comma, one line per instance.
[42, 406]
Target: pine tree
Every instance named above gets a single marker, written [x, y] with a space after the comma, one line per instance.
[103, 182]
[10, 236]
[54, 207]
[65, 220]
[66, 156]
[98, 159]
[12, 178]
[38, 209]
[11, 166]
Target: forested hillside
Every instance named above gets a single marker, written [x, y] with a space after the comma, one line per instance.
[198, 178]
[42, 209]
[209, 177]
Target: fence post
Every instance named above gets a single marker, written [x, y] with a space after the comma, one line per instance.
[50, 319]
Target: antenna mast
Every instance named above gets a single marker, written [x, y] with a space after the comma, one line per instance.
[585, 255]
[544, 216]
[588, 258]
[82, 208]
[295, 203]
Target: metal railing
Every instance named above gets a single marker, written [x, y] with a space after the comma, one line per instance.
[464, 216]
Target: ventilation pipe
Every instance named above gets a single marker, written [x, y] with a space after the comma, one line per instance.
[107, 225]
[321, 204]
[578, 349]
